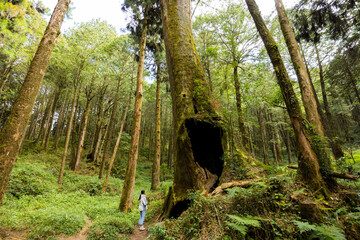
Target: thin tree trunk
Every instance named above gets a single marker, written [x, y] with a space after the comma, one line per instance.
[244, 133]
[260, 116]
[117, 144]
[99, 119]
[155, 183]
[59, 124]
[309, 170]
[352, 80]
[69, 127]
[15, 126]
[50, 124]
[127, 195]
[84, 121]
[109, 135]
[44, 120]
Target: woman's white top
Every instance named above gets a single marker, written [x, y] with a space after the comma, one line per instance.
[142, 203]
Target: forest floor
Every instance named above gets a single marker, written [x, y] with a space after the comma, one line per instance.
[35, 207]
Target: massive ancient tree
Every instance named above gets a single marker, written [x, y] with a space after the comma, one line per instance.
[309, 169]
[12, 134]
[199, 128]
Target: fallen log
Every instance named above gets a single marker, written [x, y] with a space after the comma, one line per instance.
[224, 186]
[336, 174]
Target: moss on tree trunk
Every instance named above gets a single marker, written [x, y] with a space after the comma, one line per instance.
[198, 126]
[15, 126]
[309, 170]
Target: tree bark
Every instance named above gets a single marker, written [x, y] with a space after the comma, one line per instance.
[109, 134]
[307, 91]
[244, 133]
[155, 183]
[309, 170]
[15, 126]
[118, 140]
[59, 124]
[84, 124]
[69, 127]
[260, 115]
[198, 126]
[127, 195]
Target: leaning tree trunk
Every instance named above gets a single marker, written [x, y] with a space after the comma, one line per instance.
[308, 95]
[155, 183]
[127, 195]
[15, 126]
[199, 127]
[309, 170]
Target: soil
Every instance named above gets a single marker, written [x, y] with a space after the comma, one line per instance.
[139, 235]
[82, 235]
[6, 234]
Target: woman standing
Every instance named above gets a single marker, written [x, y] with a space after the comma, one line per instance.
[142, 208]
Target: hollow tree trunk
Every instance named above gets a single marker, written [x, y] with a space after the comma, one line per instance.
[307, 93]
[309, 170]
[244, 133]
[15, 126]
[199, 127]
[127, 195]
[155, 183]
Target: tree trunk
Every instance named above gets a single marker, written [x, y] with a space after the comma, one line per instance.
[244, 133]
[44, 119]
[155, 183]
[309, 170]
[59, 124]
[50, 124]
[99, 120]
[69, 127]
[109, 134]
[118, 140]
[352, 80]
[199, 127]
[84, 124]
[260, 115]
[127, 195]
[15, 126]
[307, 92]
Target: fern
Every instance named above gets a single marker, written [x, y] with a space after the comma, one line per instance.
[241, 224]
[321, 232]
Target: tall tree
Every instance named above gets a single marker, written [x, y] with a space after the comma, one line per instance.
[308, 94]
[15, 126]
[199, 127]
[127, 195]
[309, 169]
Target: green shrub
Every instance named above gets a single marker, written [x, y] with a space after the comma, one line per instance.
[30, 179]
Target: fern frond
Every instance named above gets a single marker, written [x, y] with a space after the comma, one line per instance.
[247, 221]
[304, 226]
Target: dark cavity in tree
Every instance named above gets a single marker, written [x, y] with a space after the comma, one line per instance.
[206, 146]
[179, 208]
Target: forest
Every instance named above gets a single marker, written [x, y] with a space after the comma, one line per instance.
[237, 124]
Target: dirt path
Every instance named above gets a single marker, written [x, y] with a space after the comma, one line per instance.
[6, 234]
[139, 235]
[82, 235]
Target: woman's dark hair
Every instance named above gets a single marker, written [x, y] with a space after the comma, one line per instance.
[142, 192]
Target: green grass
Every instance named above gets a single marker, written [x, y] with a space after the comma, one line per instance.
[35, 202]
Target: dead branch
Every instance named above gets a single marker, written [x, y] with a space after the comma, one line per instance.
[224, 186]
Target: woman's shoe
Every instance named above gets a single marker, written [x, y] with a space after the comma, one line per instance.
[142, 228]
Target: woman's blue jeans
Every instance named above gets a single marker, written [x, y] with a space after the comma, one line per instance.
[142, 217]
